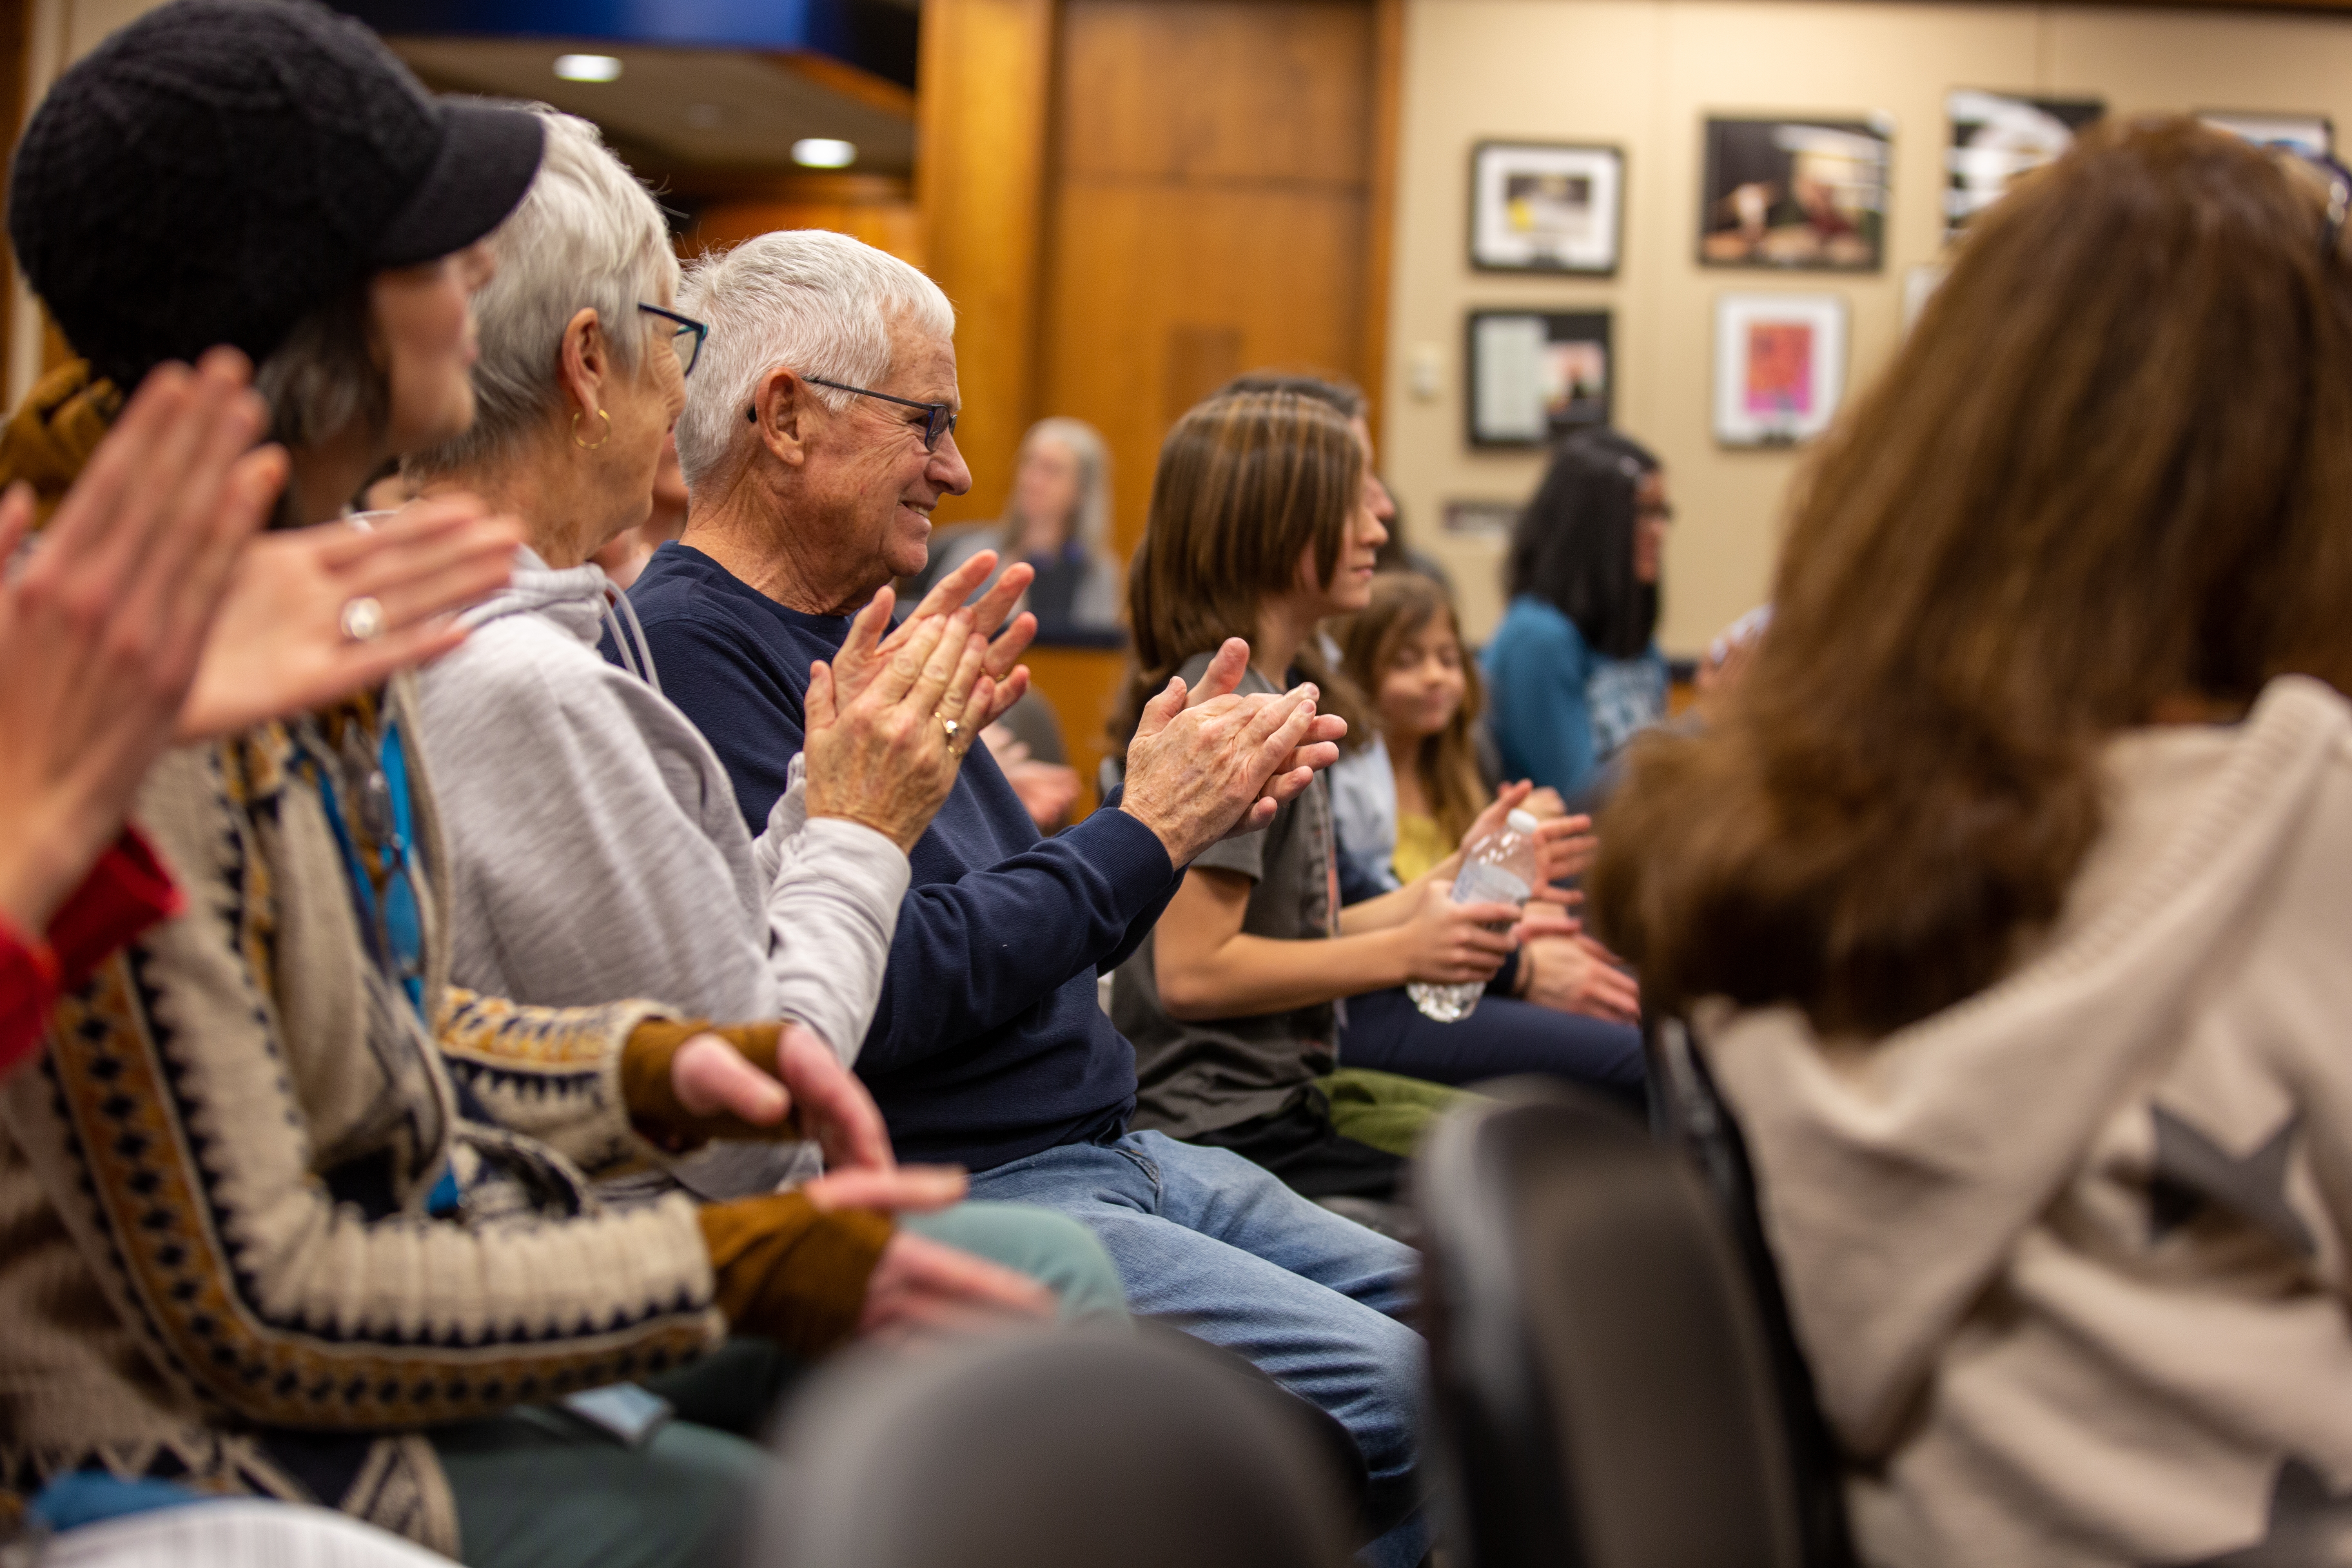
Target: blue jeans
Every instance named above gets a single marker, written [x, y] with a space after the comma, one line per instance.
[1211, 1243]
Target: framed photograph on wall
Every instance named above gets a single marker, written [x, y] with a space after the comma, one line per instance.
[1535, 374]
[1795, 193]
[1780, 367]
[2313, 135]
[1542, 207]
[1996, 136]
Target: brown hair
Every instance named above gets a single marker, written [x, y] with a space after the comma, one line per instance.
[1246, 484]
[2111, 466]
[1402, 604]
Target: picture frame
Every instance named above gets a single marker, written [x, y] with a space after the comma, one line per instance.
[1535, 375]
[1996, 136]
[1545, 206]
[1780, 367]
[1491, 518]
[2313, 135]
[1791, 194]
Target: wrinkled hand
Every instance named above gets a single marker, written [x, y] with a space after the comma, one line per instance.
[1006, 647]
[885, 758]
[279, 647]
[102, 632]
[1316, 751]
[1577, 975]
[1448, 944]
[1195, 774]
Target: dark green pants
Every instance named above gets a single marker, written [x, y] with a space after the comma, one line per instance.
[536, 1488]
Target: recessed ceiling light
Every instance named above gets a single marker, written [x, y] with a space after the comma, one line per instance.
[587, 68]
[824, 152]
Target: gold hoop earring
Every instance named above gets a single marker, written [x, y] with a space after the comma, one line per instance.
[591, 445]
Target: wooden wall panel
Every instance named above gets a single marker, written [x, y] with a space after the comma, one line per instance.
[1213, 170]
[1164, 293]
[979, 182]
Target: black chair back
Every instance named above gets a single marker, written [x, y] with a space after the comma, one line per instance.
[1601, 1393]
[1688, 1113]
[1065, 1450]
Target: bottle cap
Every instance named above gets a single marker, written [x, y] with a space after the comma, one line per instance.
[1523, 823]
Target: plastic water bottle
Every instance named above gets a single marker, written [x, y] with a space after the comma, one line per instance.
[1499, 868]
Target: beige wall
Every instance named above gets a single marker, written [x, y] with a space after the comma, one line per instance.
[1642, 74]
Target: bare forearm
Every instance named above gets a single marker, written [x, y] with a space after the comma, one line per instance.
[1389, 909]
[1252, 974]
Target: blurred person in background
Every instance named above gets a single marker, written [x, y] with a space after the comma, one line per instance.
[595, 851]
[1573, 668]
[357, 1298]
[1058, 521]
[2007, 894]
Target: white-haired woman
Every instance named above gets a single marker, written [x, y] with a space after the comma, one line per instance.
[1058, 520]
[597, 850]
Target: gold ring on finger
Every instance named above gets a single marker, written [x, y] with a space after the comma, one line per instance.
[955, 733]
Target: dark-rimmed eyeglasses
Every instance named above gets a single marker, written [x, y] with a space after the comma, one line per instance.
[686, 341]
[940, 418]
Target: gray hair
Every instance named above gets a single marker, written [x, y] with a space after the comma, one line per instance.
[587, 234]
[805, 300]
[1090, 518]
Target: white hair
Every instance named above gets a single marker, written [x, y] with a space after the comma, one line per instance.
[587, 234]
[805, 300]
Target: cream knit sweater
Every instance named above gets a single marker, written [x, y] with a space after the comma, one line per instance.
[2069, 1259]
[214, 1244]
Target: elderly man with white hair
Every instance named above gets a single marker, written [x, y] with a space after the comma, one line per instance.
[816, 440]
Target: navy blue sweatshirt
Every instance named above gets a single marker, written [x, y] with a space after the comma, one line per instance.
[989, 1044]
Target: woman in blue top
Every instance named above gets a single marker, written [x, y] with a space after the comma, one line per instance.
[1573, 667]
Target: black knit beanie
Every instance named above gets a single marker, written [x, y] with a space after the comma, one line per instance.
[220, 168]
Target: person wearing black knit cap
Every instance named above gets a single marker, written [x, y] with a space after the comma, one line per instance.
[291, 1215]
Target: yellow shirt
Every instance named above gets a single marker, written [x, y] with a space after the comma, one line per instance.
[1418, 845]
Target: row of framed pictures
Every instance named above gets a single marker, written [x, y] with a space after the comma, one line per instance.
[1780, 371]
[1788, 193]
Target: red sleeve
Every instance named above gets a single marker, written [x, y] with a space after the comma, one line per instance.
[127, 891]
[28, 985]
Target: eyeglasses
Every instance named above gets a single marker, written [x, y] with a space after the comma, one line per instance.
[941, 420]
[686, 341]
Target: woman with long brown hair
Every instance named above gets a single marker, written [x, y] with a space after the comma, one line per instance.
[2007, 897]
[1262, 525]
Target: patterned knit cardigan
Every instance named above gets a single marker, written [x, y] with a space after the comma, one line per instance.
[215, 1255]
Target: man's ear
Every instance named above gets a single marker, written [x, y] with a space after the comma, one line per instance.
[781, 407]
[583, 363]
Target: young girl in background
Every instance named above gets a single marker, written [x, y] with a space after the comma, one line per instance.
[1405, 806]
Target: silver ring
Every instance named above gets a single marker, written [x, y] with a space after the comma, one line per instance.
[363, 619]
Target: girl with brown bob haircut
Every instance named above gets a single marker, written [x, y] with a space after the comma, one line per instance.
[1262, 525]
[2008, 897]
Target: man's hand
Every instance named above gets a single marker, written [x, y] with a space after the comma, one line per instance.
[278, 645]
[887, 758]
[1576, 974]
[860, 653]
[1446, 943]
[1193, 775]
[1316, 751]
